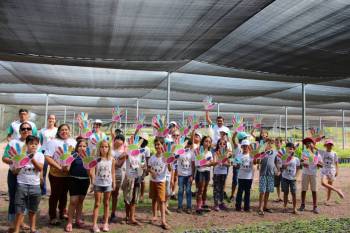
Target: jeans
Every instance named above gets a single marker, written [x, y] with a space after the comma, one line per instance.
[12, 186]
[244, 185]
[43, 187]
[184, 184]
[219, 186]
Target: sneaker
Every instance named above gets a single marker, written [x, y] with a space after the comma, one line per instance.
[113, 218]
[179, 210]
[216, 208]
[302, 207]
[222, 206]
[188, 211]
[315, 210]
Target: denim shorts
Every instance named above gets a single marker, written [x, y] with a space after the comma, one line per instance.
[288, 185]
[27, 197]
[103, 189]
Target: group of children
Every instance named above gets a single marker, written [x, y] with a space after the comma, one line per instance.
[122, 165]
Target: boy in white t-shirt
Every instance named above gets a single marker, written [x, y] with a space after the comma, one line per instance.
[28, 193]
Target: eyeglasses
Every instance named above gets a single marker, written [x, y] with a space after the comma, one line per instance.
[176, 135]
[26, 129]
[222, 144]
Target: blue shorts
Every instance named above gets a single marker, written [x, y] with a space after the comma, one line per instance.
[266, 184]
[103, 189]
[235, 176]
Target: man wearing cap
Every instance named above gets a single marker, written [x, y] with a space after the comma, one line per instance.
[13, 129]
[97, 135]
[219, 127]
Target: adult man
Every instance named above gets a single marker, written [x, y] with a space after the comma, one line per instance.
[13, 129]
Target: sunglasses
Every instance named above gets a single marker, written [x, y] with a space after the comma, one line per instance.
[222, 144]
[26, 129]
[176, 135]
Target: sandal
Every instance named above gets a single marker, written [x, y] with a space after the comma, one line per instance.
[95, 229]
[25, 227]
[135, 223]
[54, 222]
[68, 228]
[268, 210]
[105, 228]
[165, 226]
[261, 213]
[80, 223]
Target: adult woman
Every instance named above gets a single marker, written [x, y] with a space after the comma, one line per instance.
[58, 175]
[25, 130]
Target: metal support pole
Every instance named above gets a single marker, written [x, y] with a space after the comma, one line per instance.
[2, 117]
[320, 124]
[168, 99]
[65, 114]
[286, 124]
[73, 124]
[137, 109]
[343, 128]
[46, 109]
[183, 118]
[280, 126]
[126, 120]
[218, 110]
[303, 109]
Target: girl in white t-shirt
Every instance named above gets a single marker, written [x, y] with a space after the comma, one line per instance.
[329, 170]
[28, 193]
[104, 183]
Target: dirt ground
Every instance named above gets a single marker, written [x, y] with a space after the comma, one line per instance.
[181, 222]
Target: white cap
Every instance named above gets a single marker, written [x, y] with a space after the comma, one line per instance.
[173, 123]
[144, 136]
[199, 134]
[224, 129]
[245, 143]
[98, 121]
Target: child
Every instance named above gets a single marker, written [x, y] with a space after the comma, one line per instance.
[185, 172]
[119, 156]
[147, 155]
[244, 161]
[278, 177]
[267, 171]
[290, 170]
[158, 169]
[310, 174]
[220, 173]
[28, 193]
[203, 175]
[104, 182]
[330, 170]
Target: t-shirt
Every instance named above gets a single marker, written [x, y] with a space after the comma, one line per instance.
[119, 171]
[147, 152]
[28, 174]
[220, 169]
[52, 147]
[77, 168]
[290, 171]
[13, 129]
[279, 162]
[134, 166]
[92, 139]
[329, 159]
[246, 168]
[104, 173]
[158, 165]
[216, 133]
[47, 135]
[267, 166]
[209, 157]
[311, 169]
[184, 164]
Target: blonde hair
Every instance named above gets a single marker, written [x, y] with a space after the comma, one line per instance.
[109, 153]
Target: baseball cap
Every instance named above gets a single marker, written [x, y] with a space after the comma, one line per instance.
[98, 121]
[245, 143]
[242, 135]
[309, 139]
[199, 134]
[329, 141]
[224, 129]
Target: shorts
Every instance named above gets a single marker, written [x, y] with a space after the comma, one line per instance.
[78, 187]
[328, 174]
[278, 180]
[235, 176]
[157, 191]
[288, 186]
[306, 180]
[168, 185]
[266, 184]
[203, 176]
[103, 189]
[119, 177]
[27, 197]
[131, 190]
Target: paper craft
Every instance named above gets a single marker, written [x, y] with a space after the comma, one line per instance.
[309, 157]
[257, 122]
[117, 114]
[84, 124]
[159, 125]
[195, 122]
[238, 123]
[200, 156]
[222, 156]
[208, 103]
[89, 159]
[19, 156]
[140, 121]
[184, 129]
[134, 146]
[64, 155]
[168, 153]
[263, 155]
[179, 147]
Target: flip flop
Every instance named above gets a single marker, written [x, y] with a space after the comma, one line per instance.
[68, 228]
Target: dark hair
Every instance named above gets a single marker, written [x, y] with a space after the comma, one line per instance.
[118, 131]
[189, 141]
[159, 139]
[79, 141]
[279, 139]
[220, 117]
[24, 123]
[218, 142]
[203, 139]
[144, 143]
[59, 129]
[119, 137]
[22, 110]
[290, 144]
[32, 138]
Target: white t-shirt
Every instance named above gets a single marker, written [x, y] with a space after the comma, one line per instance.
[14, 128]
[216, 133]
[159, 166]
[329, 159]
[311, 169]
[119, 171]
[47, 135]
[184, 164]
[104, 173]
[147, 152]
[246, 168]
[209, 157]
[54, 144]
[28, 174]
[279, 162]
[290, 171]
[101, 136]
[134, 166]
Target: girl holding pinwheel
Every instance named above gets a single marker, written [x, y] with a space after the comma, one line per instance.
[158, 168]
[28, 193]
[59, 156]
[104, 182]
[79, 181]
[203, 161]
[221, 163]
[25, 130]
